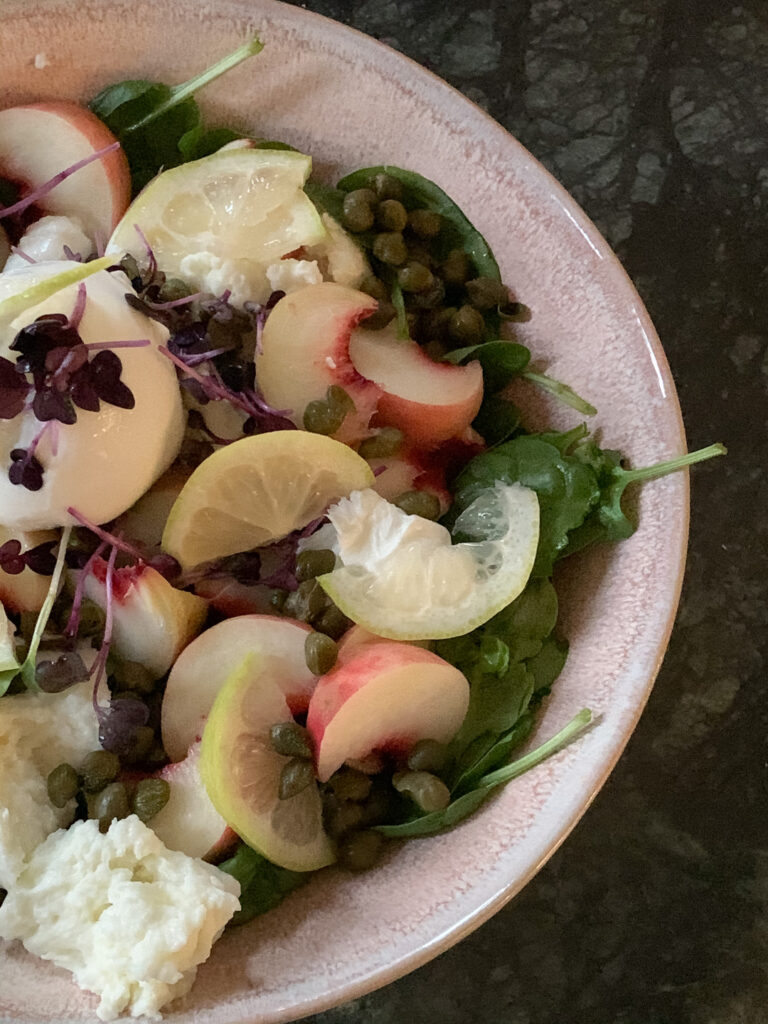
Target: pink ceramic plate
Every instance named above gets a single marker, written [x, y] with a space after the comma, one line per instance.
[351, 102]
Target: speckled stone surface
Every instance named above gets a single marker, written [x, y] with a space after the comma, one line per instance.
[652, 113]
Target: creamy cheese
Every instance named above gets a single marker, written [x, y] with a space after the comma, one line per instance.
[46, 238]
[129, 918]
[37, 733]
[289, 275]
[104, 462]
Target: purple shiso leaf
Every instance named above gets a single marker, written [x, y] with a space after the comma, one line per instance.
[42, 190]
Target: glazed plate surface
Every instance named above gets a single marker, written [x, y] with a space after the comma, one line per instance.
[351, 102]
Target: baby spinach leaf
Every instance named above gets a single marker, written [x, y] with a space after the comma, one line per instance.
[497, 420]
[263, 885]
[150, 118]
[495, 704]
[562, 391]
[457, 232]
[483, 757]
[567, 489]
[528, 621]
[547, 664]
[463, 806]
[326, 198]
[501, 361]
[199, 141]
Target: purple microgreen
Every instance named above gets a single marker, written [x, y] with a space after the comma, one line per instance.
[25, 469]
[20, 252]
[196, 358]
[14, 388]
[65, 671]
[41, 559]
[73, 623]
[42, 190]
[99, 346]
[112, 539]
[79, 308]
[185, 300]
[152, 269]
[75, 257]
[12, 560]
[106, 368]
[99, 243]
[28, 669]
[166, 565]
[196, 421]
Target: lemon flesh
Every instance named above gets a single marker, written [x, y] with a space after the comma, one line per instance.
[402, 578]
[241, 773]
[258, 490]
[219, 222]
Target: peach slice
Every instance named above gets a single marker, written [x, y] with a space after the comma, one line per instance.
[203, 668]
[189, 822]
[430, 402]
[386, 697]
[26, 591]
[305, 349]
[40, 139]
[152, 621]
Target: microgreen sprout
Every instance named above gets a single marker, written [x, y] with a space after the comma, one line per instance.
[28, 669]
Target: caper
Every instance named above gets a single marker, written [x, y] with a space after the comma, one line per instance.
[415, 277]
[99, 768]
[172, 289]
[487, 292]
[277, 599]
[430, 298]
[349, 784]
[428, 756]
[150, 798]
[374, 287]
[333, 622]
[62, 785]
[92, 619]
[358, 212]
[377, 806]
[425, 223]
[386, 186]
[295, 777]
[291, 740]
[310, 564]
[426, 790]
[419, 503]
[467, 326]
[143, 738]
[339, 400]
[391, 215]
[390, 248]
[455, 267]
[383, 444]
[132, 675]
[361, 850]
[434, 322]
[319, 418]
[109, 803]
[340, 816]
[320, 653]
[380, 317]
[307, 602]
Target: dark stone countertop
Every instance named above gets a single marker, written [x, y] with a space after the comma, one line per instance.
[653, 114]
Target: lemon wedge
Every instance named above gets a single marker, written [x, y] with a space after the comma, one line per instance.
[219, 222]
[257, 490]
[402, 578]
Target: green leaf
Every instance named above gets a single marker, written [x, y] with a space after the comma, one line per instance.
[561, 391]
[457, 232]
[9, 665]
[28, 669]
[497, 420]
[482, 758]
[199, 142]
[528, 621]
[463, 806]
[495, 704]
[501, 361]
[398, 301]
[567, 489]
[326, 199]
[547, 664]
[263, 885]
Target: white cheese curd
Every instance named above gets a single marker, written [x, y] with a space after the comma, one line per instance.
[104, 462]
[37, 733]
[129, 918]
[45, 240]
[290, 275]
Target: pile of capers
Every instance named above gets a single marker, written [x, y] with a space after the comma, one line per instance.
[309, 603]
[445, 300]
[95, 786]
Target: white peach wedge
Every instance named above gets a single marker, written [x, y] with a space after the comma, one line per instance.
[24, 591]
[39, 140]
[152, 621]
[305, 350]
[384, 697]
[205, 665]
[189, 822]
[430, 402]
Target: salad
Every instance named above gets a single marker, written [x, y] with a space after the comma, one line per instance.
[276, 550]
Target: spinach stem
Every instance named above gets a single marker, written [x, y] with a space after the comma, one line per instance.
[566, 394]
[561, 739]
[663, 468]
